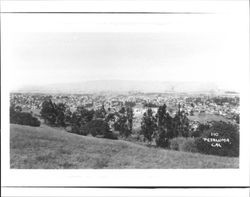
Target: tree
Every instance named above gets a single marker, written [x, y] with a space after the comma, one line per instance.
[85, 115]
[96, 127]
[164, 127]
[200, 129]
[110, 119]
[101, 113]
[124, 121]
[48, 112]
[121, 125]
[80, 117]
[68, 116]
[148, 125]
[130, 119]
[181, 124]
[161, 115]
[60, 114]
[161, 137]
[52, 113]
[122, 110]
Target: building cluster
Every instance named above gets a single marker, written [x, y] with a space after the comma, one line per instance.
[190, 104]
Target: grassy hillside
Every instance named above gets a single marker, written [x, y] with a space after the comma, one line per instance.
[51, 148]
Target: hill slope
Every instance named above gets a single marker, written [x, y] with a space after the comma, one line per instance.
[52, 148]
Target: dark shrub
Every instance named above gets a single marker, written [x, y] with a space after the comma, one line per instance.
[53, 114]
[111, 135]
[201, 128]
[79, 118]
[74, 129]
[81, 130]
[175, 143]
[189, 145]
[23, 118]
[161, 138]
[221, 139]
[183, 144]
[97, 128]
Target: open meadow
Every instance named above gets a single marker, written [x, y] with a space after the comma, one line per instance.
[45, 147]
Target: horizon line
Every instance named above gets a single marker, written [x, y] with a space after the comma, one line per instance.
[122, 12]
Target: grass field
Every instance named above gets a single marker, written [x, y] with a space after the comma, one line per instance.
[52, 148]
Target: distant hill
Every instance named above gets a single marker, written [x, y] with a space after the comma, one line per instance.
[123, 86]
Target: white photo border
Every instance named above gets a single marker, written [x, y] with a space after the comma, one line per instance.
[124, 177]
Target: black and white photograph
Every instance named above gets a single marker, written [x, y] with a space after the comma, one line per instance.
[155, 87]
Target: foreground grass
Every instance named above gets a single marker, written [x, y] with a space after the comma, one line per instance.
[51, 148]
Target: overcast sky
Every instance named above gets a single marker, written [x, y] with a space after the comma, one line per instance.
[183, 48]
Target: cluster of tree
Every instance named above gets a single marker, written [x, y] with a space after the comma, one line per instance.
[53, 114]
[79, 118]
[160, 127]
[23, 118]
[83, 121]
[163, 127]
[96, 128]
[121, 121]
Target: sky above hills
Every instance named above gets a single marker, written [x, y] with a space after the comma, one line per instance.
[181, 48]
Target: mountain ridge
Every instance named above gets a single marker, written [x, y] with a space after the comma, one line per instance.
[120, 86]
